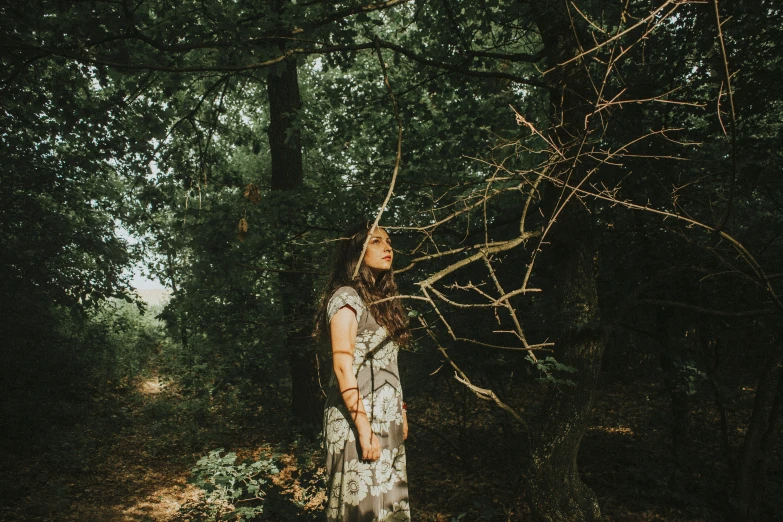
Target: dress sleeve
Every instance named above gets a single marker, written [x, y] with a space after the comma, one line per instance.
[345, 296]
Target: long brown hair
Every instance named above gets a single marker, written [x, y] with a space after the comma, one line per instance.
[389, 314]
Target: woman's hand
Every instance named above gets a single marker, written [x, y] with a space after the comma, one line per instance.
[404, 425]
[371, 447]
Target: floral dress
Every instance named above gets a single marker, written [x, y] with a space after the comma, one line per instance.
[360, 490]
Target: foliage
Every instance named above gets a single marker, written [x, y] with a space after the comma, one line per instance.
[79, 354]
[226, 483]
[689, 376]
[548, 366]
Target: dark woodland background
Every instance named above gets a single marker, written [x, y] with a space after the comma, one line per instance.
[586, 213]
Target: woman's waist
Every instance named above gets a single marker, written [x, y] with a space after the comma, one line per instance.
[366, 382]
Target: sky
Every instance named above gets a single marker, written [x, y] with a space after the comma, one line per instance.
[142, 283]
[139, 280]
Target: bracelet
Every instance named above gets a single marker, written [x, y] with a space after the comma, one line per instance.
[404, 406]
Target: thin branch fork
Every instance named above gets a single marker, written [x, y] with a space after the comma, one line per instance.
[506, 245]
[739, 247]
[733, 139]
[461, 249]
[659, 99]
[500, 302]
[397, 159]
[454, 214]
[482, 393]
[647, 19]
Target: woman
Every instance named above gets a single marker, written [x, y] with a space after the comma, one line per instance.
[365, 422]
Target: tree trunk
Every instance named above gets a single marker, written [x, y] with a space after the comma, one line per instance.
[680, 410]
[285, 144]
[555, 491]
[764, 423]
[676, 352]
[285, 140]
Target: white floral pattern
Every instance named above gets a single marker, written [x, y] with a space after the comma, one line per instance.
[384, 355]
[345, 299]
[335, 508]
[385, 474]
[385, 407]
[400, 464]
[356, 480]
[338, 430]
[367, 348]
[359, 488]
[400, 512]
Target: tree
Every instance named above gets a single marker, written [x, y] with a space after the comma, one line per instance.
[61, 197]
[503, 210]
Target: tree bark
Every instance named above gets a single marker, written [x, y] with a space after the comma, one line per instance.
[764, 423]
[675, 350]
[285, 140]
[285, 144]
[555, 491]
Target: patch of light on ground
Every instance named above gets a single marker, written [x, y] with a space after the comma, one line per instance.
[620, 430]
[162, 504]
[152, 386]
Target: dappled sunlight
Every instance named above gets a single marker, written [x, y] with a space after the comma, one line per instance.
[288, 480]
[614, 430]
[152, 386]
[133, 493]
[162, 503]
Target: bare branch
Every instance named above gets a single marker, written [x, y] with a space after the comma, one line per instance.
[461, 377]
[647, 19]
[397, 159]
[729, 92]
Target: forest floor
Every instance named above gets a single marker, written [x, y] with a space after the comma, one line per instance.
[127, 455]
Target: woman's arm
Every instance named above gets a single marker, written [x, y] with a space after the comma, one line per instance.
[343, 328]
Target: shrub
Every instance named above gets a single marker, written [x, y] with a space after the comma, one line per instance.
[231, 491]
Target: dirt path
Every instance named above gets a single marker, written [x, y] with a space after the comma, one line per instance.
[94, 463]
[126, 457]
[133, 483]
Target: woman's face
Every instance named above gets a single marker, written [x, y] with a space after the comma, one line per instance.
[379, 254]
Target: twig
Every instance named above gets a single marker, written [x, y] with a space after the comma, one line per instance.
[397, 160]
[729, 92]
[482, 393]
